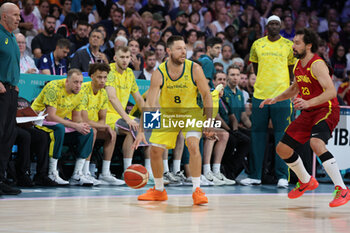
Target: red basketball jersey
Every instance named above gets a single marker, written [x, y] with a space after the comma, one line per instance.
[309, 87]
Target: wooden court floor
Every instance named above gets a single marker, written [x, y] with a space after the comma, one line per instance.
[230, 209]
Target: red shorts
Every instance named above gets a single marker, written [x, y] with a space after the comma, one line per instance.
[300, 129]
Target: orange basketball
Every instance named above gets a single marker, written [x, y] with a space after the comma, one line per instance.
[136, 176]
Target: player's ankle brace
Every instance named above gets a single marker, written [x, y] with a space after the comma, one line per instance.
[292, 158]
[326, 156]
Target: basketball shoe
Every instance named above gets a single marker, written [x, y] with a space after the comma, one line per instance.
[341, 197]
[153, 195]
[300, 188]
[199, 197]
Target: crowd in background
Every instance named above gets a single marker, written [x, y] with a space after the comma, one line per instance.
[55, 36]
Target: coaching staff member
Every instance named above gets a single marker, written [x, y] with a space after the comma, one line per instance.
[9, 77]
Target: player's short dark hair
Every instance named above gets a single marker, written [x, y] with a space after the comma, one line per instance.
[63, 43]
[172, 39]
[98, 67]
[211, 42]
[310, 37]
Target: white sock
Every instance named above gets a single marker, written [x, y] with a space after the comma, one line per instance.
[159, 184]
[53, 165]
[148, 166]
[206, 168]
[176, 165]
[105, 167]
[166, 165]
[127, 162]
[86, 167]
[332, 170]
[78, 169]
[299, 169]
[216, 167]
[196, 182]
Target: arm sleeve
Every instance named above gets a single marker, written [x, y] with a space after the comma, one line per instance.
[253, 57]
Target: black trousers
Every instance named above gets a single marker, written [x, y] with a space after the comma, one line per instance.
[236, 152]
[8, 110]
[32, 142]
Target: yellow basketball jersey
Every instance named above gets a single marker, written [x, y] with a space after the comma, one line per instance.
[179, 95]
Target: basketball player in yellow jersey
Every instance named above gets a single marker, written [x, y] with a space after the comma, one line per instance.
[95, 102]
[176, 83]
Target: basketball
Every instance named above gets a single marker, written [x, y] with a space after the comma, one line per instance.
[136, 176]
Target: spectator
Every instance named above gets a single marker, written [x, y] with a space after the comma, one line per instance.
[66, 8]
[46, 41]
[136, 63]
[91, 54]
[67, 27]
[288, 32]
[30, 21]
[55, 63]
[274, 74]
[136, 32]
[180, 24]
[132, 18]
[247, 19]
[344, 92]
[80, 37]
[150, 60]
[242, 45]
[242, 86]
[183, 6]
[144, 45]
[194, 20]
[166, 34]
[332, 27]
[220, 24]
[86, 8]
[41, 12]
[160, 53]
[314, 23]
[119, 41]
[339, 62]
[27, 64]
[55, 11]
[154, 37]
[237, 61]
[115, 22]
[197, 53]
[226, 56]
[213, 49]
[345, 36]
[153, 7]
[190, 40]
[158, 21]
[333, 41]
[219, 67]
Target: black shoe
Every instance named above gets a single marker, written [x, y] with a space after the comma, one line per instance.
[25, 181]
[8, 190]
[44, 180]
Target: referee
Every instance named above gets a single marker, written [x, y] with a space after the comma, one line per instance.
[9, 77]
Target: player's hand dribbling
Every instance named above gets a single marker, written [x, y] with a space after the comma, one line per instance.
[267, 102]
[301, 104]
[139, 138]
